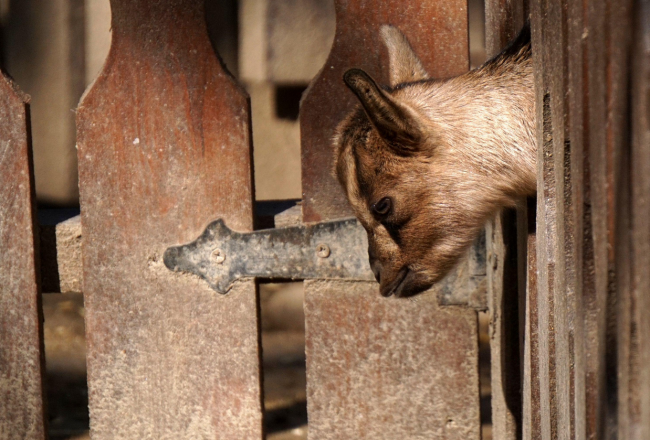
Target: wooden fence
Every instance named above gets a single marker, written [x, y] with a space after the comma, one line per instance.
[164, 147]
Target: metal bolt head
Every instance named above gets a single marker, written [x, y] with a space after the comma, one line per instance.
[322, 250]
[218, 256]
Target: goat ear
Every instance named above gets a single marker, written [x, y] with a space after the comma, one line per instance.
[395, 122]
[405, 66]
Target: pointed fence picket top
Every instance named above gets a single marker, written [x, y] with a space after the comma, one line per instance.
[21, 334]
[164, 147]
[382, 368]
[438, 33]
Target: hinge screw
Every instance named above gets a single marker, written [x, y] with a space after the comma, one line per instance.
[322, 250]
[218, 256]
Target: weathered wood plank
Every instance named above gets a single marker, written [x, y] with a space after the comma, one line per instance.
[582, 83]
[438, 33]
[639, 427]
[575, 228]
[560, 236]
[21, 333]
[389, 369]
[164, 147]
[627, 416]
[503, 305]
[338, 361]
[598, 174]
[546, 226]
[619, 28]
[503, 20]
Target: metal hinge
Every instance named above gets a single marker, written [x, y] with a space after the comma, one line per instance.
[328, 250]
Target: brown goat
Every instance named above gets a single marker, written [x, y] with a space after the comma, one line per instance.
[426, 163]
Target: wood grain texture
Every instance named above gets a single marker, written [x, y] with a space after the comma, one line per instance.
[627, 356]
[559, 236]
[576, 230]
[546, 226]
[503, 305]
[619, 27]
[639, 427]
[439, 35]
[582, 78]
[504, 19]
[164, 147]
[599, 172]
[386, 369]
[21, 333]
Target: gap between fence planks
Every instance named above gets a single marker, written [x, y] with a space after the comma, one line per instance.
[164, 148]
[503, 21]
[22, 414]
[640, 233]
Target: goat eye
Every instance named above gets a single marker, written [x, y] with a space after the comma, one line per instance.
[382, 207]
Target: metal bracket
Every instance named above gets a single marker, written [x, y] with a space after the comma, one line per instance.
[336, 250]
[327, 250]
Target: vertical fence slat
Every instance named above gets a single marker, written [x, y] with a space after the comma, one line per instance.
[640, 232]
[503, 19]
[590, 347]
[632, 69]
[503, 304]
[21, 333]
[619, 27]
[382, 368]
[575, 229]
[546, 228]
[581, 76]
[597, 173]
[622, 123]
[560, 235]
[163, 140]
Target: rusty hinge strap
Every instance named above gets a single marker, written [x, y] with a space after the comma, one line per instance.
[329, 250]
